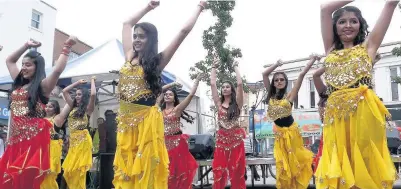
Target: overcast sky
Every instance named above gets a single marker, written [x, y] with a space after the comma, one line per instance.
[265, 30]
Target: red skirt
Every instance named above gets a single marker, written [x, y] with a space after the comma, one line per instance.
[26, 159]
[229, 159]
[182, 165]
[318, 155]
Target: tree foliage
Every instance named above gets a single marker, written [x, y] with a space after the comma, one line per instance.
[396, 51]
[214, 40]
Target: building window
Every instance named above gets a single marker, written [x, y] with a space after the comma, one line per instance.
[289, 88]
[73, 56]
[36, 19]
[394, 86]
[312, 94]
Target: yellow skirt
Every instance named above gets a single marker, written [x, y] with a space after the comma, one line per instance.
[293, 160]
[78, 160]
[355, 152]
[55, 165]
[141, 159]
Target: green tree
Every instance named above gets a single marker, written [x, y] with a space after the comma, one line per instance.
[214, 40]
[396, 51]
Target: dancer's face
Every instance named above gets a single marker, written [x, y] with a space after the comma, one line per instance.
[28, 68]
[140, 39]
[348, 27]
[169, 96]
[78, 96]
[226, 89]
[279, 81]
[49, 109]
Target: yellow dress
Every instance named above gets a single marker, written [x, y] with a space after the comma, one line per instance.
[355, 152]
[141, 159]
[56, 146]
[293, 160]
[79, 157]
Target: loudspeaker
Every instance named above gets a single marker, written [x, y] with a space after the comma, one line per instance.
[202, 146]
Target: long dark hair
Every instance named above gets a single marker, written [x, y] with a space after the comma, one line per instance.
[35, 91]
[233, 110]
[56, 106]
[83, 105]
[184, 114]
[272, 89]
[363, 29]
[150, 59]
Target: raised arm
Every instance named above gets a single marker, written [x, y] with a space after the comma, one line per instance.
[326, 22]
[92, 99]
[298, 83]
[127, 29]
[267, 72]
[317, 80]
[50, 82]
[172, 48]
[60, 118]
[66, 92]
[11, 60]
[213, 83]
[376, 37]
[181, 106]
[240, 88]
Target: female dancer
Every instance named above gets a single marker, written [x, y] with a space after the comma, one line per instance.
[26, 159]
[56, 144]
[293, 160]
[79, 157]
[355, 153]
[229, 154]
[141, 159]
[321, 89]
[183, 165]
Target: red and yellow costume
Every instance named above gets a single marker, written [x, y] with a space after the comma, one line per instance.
[79, 157]
[355, 152]
[229, 155]
[141, 159]
[183, 165]
[26, 159]
[322, 105]
[56, 146]
[293, 160]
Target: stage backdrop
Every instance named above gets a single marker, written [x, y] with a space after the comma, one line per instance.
[308, 122]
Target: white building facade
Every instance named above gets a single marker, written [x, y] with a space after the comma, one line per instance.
[21, 21]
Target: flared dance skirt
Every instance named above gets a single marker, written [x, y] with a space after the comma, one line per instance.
[293, 160]
[26, 160]
[141, 159]
[78, 160]
[355, 151]
[55, 165]
[183, 165]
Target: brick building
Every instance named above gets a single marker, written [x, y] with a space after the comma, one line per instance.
[77, 50]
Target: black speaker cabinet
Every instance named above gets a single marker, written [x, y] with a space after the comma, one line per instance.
[201, 146]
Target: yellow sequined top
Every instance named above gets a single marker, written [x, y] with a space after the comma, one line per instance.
[278, 109]
[132, 86]
[77, 123]
[347, 68]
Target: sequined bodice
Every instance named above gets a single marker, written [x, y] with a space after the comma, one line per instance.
[132, 86]
[19, 105]
[278, 109]
[224, 121]
[348, 67]
[77, 123]
[172, 124]
[55, 133]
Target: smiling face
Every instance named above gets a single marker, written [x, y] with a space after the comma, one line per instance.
[78, 96]
[348, 26]
[279, 81]
[28, 68]
[140, 39]
[169, 96]
[50, 109]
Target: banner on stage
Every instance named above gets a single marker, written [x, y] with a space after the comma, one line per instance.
[309, 123]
